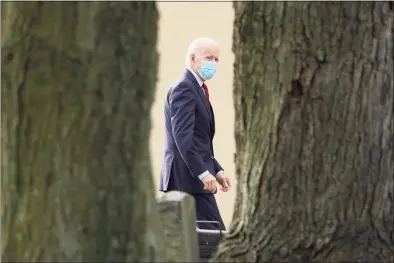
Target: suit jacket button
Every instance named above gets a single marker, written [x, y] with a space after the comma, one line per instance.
[212, 157]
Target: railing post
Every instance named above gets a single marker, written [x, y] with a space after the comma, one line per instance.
[177, 212]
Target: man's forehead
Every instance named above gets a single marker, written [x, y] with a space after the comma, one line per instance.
[210, 50]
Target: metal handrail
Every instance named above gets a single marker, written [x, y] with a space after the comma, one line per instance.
[210, 231]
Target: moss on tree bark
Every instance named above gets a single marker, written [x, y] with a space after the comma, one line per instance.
[78, 81]
[314, 133]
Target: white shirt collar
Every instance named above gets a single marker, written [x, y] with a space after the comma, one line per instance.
[200, 82]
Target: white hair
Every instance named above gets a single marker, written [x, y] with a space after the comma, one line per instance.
[195, 46]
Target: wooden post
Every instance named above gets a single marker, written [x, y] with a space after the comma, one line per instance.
[177, 212]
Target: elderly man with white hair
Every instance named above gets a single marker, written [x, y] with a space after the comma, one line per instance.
[189, 162]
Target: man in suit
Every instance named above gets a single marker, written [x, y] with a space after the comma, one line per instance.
[189, 162]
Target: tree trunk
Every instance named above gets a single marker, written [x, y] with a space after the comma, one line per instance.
[314, 133]
[78, 81]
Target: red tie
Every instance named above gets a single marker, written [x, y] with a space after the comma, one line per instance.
[206, 92]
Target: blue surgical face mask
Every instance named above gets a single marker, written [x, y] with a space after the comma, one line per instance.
[207, 69]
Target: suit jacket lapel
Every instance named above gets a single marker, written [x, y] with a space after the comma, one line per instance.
[202, 96]
[213, 120]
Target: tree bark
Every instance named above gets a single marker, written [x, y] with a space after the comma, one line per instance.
[78, 81]
[314, 133]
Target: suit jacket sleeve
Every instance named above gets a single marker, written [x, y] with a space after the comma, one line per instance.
[218, 167]
[182, 107]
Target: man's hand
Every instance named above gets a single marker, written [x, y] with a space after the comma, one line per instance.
[224, 182]
[209, 183]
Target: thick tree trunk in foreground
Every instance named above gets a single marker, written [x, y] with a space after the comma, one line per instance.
[77, 86]
[314, 133]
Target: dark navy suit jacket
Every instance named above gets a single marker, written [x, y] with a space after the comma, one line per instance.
[189, 131]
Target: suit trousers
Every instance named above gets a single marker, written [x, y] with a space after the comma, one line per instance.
[207, 210]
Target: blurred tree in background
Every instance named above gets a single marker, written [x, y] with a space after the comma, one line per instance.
[314, 133]
[78, 81]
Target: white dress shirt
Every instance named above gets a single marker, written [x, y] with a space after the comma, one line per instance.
[200, 82]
